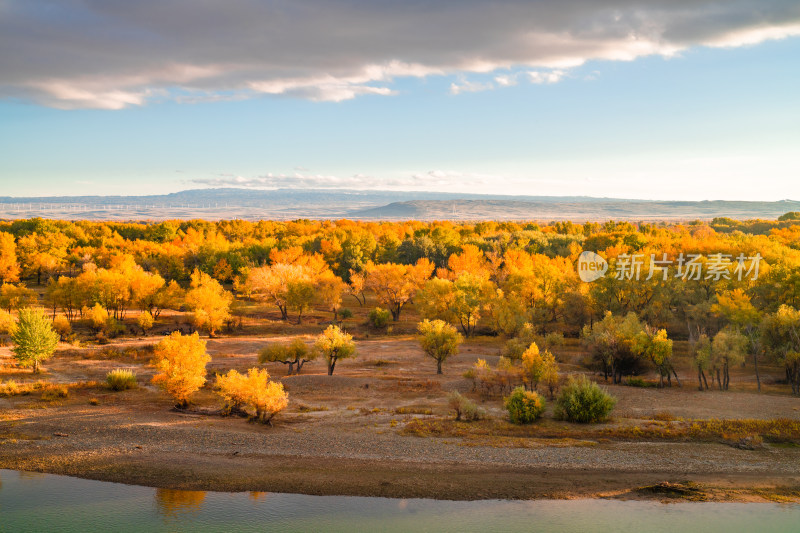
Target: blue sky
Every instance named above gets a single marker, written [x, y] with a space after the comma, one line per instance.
[680, 115]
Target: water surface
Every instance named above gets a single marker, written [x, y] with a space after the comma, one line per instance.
[45, 502]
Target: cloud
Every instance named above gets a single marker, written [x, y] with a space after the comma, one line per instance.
[466, 86]
[111, 55]
[539, 77]
[430, 180]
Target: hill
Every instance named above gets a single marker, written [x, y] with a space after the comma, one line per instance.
[286, 204]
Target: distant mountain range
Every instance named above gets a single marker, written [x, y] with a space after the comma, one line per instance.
[283, 204]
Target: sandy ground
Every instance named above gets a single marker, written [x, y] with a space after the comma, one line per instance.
[343, 434]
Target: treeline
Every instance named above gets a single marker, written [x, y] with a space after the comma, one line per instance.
[511, 279]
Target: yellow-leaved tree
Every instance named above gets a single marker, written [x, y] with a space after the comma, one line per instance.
[439, 340]
[254, 390]
[334, 344]
[180, 361]
[209, 302]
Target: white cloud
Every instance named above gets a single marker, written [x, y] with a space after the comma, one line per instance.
[429, 180]
[506, 80]
[466, 86]
[540, 77]
[110, 55]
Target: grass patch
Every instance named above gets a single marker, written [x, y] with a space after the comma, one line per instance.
[55, 392]
[779, 430]
[379, 362]
[51, 390]
[121, 379]
[310, 408]
[411, 410]
[665, 416]
[640, 383]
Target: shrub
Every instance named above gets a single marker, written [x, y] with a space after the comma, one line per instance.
[11, 388]
[345, 314]
[638, 382]
[582, 400]
[96, 316]
[7, 322]
[121, 379]
[145, 321]
[524, 406]
[62, 327]
[379, 318]
[255, 390]
[464, 408]
[113, 328]
[55, 392]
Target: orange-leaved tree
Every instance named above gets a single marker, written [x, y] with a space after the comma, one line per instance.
[180, 362]
[9, 268]
[394, 284]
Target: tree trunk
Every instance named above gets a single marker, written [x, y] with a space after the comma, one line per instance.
[438, 366]
[677, 379]
[331, 365]
[755, 365]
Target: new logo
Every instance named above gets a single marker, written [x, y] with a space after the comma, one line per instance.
[591, 266]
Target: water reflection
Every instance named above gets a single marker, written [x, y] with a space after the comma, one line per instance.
[257, 496]
[58, 503]
[176, 504]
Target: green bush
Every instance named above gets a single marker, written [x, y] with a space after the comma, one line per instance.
[638, 382]
[121, 379]
[345, 314]
[464, 407]
[524, 406]
[582, 400]
[379, 317]
[113, 328]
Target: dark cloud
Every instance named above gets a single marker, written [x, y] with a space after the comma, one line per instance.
[115, 53]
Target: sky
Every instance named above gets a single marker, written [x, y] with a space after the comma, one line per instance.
[656, 99]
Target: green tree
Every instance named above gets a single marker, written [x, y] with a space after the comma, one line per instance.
[612, 345]
[728, 348]
[439, 340]
[655, 346]
[294, 353]
[34, 338]
[300, 296]
[736, 307]
[701, 360]
[780, 336]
